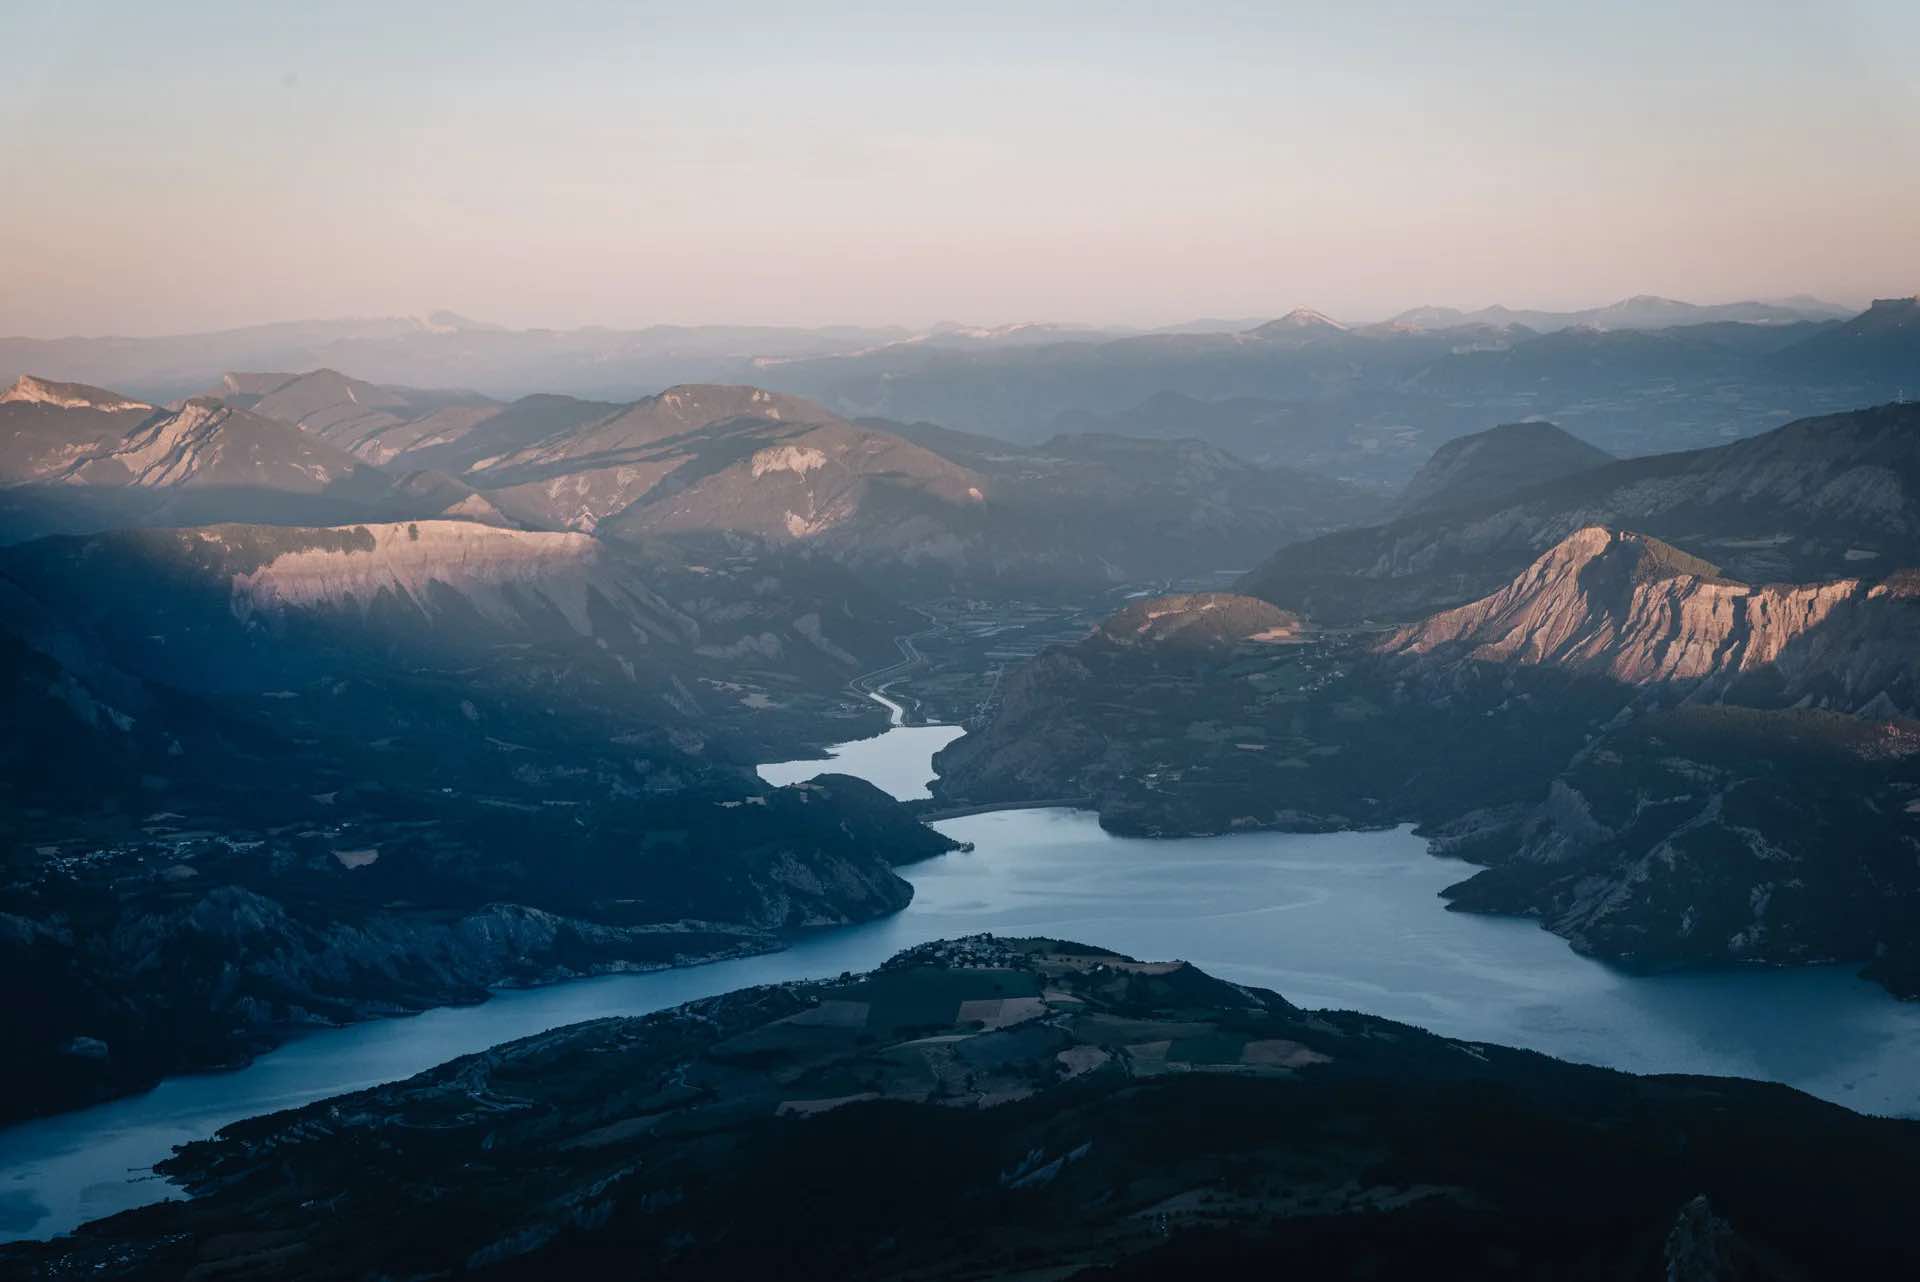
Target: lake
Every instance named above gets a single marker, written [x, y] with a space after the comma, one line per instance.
[1342, 919]
[899, 761]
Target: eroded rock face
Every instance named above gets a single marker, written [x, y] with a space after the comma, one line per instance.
[29, 390]
[1621, 605]
[498, 572]
[1661, 764]
[48, 427]
[207, 443]
[77, 459]
[1816, 499]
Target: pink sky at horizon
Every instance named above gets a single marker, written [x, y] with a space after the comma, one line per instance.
[199, 166]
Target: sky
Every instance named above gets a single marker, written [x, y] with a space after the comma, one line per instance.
[201, 164]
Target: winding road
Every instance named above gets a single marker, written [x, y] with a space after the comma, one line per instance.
[876, 683]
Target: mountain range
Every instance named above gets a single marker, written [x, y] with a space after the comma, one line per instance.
[76, 458]
[719, 469]
[444, 348]
[342, 695]
[1820, 497]
[1634, 377]
[1353, 392]
[1642, 311]
[1664, 759]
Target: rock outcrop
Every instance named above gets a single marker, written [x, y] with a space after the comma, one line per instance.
[1638, 611]
[1819, 498]
[1661, 764]
[76, 459]
[29, 390]
[509, 577]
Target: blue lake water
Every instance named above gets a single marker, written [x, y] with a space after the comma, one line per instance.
[1343, 920]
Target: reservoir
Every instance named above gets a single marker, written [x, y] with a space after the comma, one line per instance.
[1329, 920]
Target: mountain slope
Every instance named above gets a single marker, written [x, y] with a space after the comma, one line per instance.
[263, 778]
[1879, 348]
[87, 459]
[866, 495]
[1301, 325]
[734, 467]
[373, 423]
[1200, 619]
[714, 443]
[1708, 835]
[439, 350]
[1643, 377]
[46, 427]
[457, 446]
[1491, 464]
[1643, 311]
[562, 617]
[1108, 1117]
[1318, 437]
[1820, 497]
[1639, 612]
[1092, 507]
[1664, 765]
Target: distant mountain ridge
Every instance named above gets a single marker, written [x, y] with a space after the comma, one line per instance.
[439, 350]
[1485, 465]
[373, 423]
[1820, 497]
[1880, 345]
[444, 349]
[1301, 322]
[1369, 401]
[1643, 376]
[1643, 311]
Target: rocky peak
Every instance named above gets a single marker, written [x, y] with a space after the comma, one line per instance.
[29, 389]
[1301, 320]
[1619, 604]
[168, 450]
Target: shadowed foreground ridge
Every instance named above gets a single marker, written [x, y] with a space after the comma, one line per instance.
[989, 1106]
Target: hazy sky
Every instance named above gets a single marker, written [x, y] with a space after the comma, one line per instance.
[202, 163]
